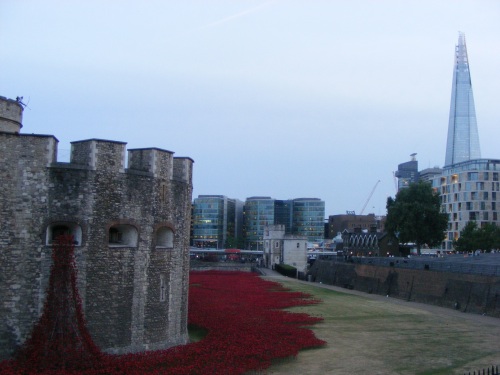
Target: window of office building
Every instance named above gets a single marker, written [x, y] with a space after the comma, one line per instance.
[472, 176]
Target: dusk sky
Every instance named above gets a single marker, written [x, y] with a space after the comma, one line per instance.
[286, 99]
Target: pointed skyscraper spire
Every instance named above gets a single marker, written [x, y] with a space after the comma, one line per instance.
[463, 137]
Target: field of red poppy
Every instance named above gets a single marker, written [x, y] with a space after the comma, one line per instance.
[246, 324]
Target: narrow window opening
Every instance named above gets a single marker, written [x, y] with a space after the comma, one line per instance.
[164, 237]
[63, 228]
[123, 235]
[163, 288]
[115, 236]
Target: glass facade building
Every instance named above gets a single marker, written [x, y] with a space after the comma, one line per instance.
[283, 214]
[463, 138]
[468, 185]
[258, 213]
[407, 173]
[309, 218]
[302, 217]
[216, 221]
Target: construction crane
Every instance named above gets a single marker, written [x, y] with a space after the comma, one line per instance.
[369, 197]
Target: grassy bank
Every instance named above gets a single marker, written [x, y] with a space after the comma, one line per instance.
[378, 335]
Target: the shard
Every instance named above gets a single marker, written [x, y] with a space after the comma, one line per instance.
[463, 137]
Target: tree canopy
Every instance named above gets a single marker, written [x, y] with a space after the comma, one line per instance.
[415, 216]
[473, 238]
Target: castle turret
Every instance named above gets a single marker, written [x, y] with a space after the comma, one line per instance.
[11, 115]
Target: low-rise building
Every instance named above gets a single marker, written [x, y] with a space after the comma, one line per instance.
[339, 223]
[368, 243]
[282, 248]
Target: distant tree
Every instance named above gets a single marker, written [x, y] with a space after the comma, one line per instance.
[468, 238]
[415, 216]
[490, 237]
[473, 238]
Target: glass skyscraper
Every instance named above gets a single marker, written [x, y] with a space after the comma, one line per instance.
[463, 137]
[469, 186]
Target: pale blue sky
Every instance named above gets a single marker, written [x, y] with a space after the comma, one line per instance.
[281, 98]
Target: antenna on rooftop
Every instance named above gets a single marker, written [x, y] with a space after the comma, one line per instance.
[19, 100]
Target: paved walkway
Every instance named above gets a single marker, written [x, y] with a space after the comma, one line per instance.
[269, 272]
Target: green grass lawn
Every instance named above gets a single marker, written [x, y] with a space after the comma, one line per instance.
[374, 335]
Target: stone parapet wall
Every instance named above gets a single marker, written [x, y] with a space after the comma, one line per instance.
[221, 266]
[466, 292]
[152, 160]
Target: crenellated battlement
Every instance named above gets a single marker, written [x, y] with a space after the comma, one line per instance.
[183, 169]
[99, 154]
[155, 161]
[109, 156]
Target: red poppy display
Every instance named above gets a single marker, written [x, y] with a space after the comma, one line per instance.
[246, 326]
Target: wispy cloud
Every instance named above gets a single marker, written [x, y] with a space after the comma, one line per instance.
[237, 15]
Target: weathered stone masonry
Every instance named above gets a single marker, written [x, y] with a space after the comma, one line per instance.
[131, 227]
[466, 292]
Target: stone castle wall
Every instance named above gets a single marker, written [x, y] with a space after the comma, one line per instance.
[131, 226]
[466, 292]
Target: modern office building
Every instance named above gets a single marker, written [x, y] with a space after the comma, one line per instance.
[429, 174]
[259, 212]
[309, 218]
[302, 217]
[468, 184]
[217, 221]
[469, 192]
[283, 214]
[407, 172]
[463, 137]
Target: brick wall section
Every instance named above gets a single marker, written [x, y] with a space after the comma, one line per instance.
[465, 292]
[119, 285]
